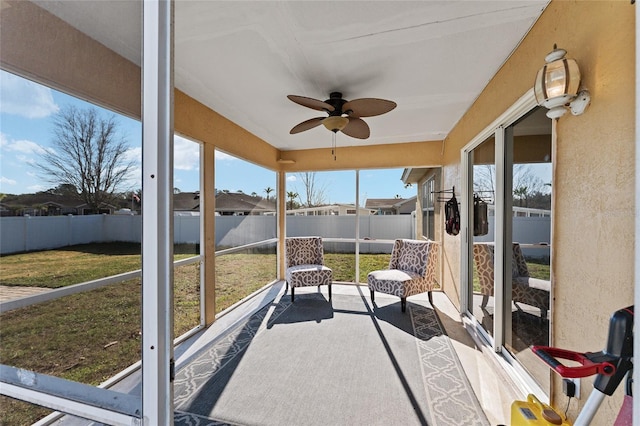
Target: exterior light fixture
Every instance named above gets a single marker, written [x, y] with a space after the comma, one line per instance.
[335, 123]
[557, 85]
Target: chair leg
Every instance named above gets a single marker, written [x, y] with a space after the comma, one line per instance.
[430, 298]
[286, 287]
[292, 293]
[403, 304]
[329, 291]
[485, 300]
[372, 297]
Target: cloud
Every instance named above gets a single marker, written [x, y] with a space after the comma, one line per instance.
[291, 178]
[7, 181]
[186, 154]
[23, 146]
[133, 154]
[224, 157]
[36, 188]
[25, 98]
[25, 159]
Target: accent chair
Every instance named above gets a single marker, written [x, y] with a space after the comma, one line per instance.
[305, 264]
[412, 270]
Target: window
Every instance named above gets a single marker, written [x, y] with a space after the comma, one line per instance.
[428, 211]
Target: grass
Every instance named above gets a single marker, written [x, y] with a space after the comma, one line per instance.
[538, 268]
[89, 337]
[75, 264]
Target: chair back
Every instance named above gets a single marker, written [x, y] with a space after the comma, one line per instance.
[304, 251]
[483, 256]
[413, 255]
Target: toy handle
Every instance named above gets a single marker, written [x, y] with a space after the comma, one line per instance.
[587, 367]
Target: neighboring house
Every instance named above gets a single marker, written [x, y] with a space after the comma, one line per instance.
[240, 204]
[391, 206]
[48, 204]
[331, 209]
[186, 203]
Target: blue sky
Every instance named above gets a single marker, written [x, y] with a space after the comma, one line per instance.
[26, 115]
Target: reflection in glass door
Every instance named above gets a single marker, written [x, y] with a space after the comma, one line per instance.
[483, 175]
[528, 228]
[509, 235]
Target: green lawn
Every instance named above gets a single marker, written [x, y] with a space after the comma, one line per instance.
[89, 337]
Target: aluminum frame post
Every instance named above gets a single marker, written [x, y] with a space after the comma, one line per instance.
[157, 214]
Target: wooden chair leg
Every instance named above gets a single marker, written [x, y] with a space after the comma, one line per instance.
[329, 291]
[430, 298]
[372, 296]
[403, 304]
[292, 293]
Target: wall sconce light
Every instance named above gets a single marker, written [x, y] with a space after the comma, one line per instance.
[557, 85]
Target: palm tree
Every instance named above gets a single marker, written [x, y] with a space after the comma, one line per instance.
[291, 196]
[268, 190]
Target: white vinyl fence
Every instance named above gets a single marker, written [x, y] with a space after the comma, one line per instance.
[23, 234]
[31, 233]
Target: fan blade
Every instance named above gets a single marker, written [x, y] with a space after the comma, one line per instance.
[311, 103]
[367, 107]
[356, 128]
[306, 125]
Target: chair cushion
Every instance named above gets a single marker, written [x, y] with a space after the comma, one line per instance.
[308, 275]
[392, 281]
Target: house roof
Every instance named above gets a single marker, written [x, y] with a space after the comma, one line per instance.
[414, 53]
[186, 201]
[391, 203]
[237, 202]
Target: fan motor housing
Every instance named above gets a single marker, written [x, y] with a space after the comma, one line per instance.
[336, 101]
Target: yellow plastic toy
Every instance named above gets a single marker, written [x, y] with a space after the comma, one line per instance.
[533, 412]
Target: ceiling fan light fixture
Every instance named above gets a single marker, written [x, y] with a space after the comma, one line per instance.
[335, 123]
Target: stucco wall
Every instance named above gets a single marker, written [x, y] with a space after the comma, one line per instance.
[593, 183]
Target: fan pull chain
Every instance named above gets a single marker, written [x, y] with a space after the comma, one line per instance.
[333, 145]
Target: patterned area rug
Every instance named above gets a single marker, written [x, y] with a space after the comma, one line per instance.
[316, 362]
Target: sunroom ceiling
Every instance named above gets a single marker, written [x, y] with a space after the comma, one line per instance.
[242, 58]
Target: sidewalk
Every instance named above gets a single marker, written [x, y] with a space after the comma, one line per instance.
[15, 292]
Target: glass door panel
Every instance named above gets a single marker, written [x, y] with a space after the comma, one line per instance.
[483, 235]
[528, 168]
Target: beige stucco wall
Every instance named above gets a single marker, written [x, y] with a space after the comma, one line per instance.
[593, 183]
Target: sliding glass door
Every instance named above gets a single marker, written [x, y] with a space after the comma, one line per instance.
[507, 255]
[528, 160]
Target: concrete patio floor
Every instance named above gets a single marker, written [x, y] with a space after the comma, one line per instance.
[494, 389]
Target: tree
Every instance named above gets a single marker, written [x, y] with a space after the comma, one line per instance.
[64, 189]
[268, 190]
[314, 193]
[526, 184]
[87, 154]
[291, 195]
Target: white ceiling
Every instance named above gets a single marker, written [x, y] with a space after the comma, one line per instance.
[241, 59]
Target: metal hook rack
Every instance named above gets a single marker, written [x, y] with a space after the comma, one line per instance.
[451, 191]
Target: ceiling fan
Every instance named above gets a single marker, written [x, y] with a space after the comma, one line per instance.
[343, 115]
